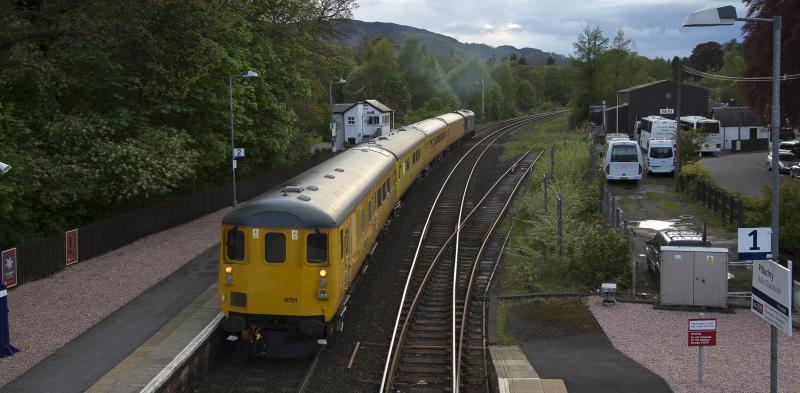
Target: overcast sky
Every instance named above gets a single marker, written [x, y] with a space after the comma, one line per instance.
[553, 25]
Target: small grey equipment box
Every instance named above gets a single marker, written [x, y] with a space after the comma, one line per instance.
[694, 276]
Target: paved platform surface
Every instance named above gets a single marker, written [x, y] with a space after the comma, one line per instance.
[85, 360]
[515, 374]
[591, 364]
[147, 364]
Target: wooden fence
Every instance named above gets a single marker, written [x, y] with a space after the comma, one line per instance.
[45, 256]
[726, 205]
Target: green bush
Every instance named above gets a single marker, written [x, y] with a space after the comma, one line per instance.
[758, 213]
[592, 253]
[693, 175]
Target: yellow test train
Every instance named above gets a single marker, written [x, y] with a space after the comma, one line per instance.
[288, 257]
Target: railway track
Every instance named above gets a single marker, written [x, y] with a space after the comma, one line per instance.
[237, 372]
[434, 347]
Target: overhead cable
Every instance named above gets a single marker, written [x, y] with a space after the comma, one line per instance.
[703, 74]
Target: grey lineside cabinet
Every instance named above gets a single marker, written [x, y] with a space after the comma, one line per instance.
[694, 276]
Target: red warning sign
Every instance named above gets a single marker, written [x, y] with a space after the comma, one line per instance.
[71, 244]
[703, 332]
[9, 267]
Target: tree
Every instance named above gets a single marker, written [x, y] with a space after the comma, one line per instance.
[424, 76]
[589, 48]
[757, 49]
[465, 80]
[125, 103]
[550, 61]
[620, 51]
[675, 64]
[733, 65]
[706, 56]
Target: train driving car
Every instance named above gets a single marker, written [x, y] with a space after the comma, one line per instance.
[289, 256]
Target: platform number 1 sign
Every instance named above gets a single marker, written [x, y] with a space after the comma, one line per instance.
[755, 244]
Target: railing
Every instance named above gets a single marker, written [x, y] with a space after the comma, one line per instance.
[45, 256]
[726, 205]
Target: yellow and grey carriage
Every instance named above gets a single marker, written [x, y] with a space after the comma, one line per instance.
[289, 257]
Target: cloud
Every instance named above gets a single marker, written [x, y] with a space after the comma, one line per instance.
[654, 25]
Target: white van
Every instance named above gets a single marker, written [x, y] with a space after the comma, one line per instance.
[623, 160]
[654, 127]
[661, 156]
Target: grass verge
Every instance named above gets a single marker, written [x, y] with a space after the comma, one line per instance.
[591, 254]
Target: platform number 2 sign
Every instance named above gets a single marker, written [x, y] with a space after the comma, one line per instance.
[755, 244]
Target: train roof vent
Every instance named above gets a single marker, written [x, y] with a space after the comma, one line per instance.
[312, 188]
[383, 138]
[329, 176]
[304, 198]
[291, 188]
[339, 169]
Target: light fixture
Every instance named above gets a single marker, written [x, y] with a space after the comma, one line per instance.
[711, 17]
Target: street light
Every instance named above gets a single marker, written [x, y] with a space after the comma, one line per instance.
[4, 168]
[245, 74]
[483, 105]
[332, 122]
[727, 16]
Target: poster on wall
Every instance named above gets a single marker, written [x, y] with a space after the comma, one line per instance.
[71, 245]
[9, 267]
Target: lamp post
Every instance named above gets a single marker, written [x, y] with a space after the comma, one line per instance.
[332, 122]
[245, 74]
[727, 16]
[483, 100]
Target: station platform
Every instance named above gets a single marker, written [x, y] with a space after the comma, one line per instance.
[515, 374]
[156, 362]
[168, 315]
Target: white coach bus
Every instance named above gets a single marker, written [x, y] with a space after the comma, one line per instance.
[711, 142]
[654, 127]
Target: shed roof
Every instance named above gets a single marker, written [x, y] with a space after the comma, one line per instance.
[658, 82]
[642, 85]
[344, 107]
[734, 116]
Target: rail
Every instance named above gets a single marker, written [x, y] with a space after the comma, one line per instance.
[397, 339]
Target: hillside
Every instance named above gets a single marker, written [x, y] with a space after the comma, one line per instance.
[355, 31]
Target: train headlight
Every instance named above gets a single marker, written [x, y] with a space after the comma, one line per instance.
[322, 294]
[228, 269]
[323, 273]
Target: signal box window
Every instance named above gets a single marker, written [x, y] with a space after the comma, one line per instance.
[317, 248]
[234, 245]
[275, 248]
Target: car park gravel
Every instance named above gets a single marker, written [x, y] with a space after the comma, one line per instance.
[739, 362]
[46, 314]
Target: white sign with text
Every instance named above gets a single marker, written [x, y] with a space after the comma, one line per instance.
[772, 294]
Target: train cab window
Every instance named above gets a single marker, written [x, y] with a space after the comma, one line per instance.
[317, 248]
[234, 245]
[275, 247]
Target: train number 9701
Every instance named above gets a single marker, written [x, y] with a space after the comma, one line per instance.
[290, 300]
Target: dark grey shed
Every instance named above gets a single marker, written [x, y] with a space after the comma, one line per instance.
[649, 98]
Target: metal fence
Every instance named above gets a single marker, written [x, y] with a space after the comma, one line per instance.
[727, 206]
[45, 256]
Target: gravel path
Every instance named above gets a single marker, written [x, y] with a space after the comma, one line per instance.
[739, 362]
[46, 314]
